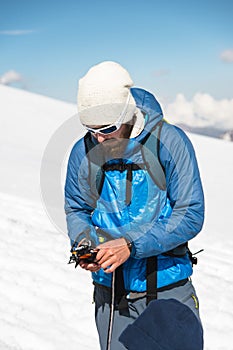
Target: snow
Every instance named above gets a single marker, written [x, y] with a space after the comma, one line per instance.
[46, 303]
[213, 275]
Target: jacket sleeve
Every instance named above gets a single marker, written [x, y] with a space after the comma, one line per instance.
[78, 202]
[185, 193]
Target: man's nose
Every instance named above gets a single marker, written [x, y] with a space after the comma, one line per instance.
[100, 137]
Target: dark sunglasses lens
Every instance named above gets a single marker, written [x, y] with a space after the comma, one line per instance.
[109, 130]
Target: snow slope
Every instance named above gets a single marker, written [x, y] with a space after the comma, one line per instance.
[47, 304]
[27, 122]
[213, 275]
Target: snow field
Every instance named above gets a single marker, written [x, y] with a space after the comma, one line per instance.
[46, 303]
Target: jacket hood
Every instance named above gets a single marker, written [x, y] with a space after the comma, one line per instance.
[149, 106]
[150, 113]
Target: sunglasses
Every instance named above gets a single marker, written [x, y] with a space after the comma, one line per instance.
[109, 129]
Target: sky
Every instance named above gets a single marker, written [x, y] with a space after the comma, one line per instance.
[169, 47]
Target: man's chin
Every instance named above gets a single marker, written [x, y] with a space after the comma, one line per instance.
[115, 147]
[111, 143]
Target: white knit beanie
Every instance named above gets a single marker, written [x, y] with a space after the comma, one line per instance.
[103, 94]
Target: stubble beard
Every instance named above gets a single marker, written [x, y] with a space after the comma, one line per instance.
[114, 148]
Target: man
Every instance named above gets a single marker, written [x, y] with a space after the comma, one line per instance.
[133, 190]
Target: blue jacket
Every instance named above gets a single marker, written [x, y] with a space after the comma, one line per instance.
[156, 220]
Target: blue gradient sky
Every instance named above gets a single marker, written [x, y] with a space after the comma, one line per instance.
[168, 46]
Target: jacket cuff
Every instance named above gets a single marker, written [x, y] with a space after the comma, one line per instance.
[130, 245]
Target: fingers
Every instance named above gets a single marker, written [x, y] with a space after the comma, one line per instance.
[111, 268]
[110, 259]
[110, 255]
[93, 267]
[100, 255]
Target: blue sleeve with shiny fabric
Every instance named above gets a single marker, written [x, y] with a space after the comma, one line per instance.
[78, 202]
[185, 193]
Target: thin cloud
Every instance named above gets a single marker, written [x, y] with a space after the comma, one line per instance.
[10, 77]
[16, 32]
[201, 111]
[227, 56]
[161, 72]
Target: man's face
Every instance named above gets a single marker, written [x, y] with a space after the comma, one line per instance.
[114, 143]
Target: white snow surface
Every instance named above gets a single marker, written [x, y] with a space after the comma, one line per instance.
[45, 303]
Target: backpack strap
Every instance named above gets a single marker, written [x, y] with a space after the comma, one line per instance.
[97, 169]
[150, 154]
[120, 301]
[121, 166]
[151, 278]
[95, 162]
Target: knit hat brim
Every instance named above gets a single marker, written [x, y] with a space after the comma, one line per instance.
[106, 114]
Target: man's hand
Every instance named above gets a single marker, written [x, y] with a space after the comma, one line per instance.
[112, 254]
[87, 265]
[93, 267]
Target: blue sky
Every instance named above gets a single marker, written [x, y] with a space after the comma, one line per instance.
[169, 47]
